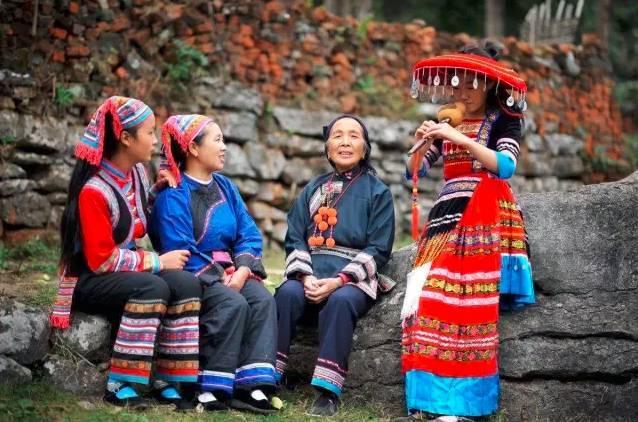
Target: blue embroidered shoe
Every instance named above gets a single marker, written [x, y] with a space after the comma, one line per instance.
[123, 395]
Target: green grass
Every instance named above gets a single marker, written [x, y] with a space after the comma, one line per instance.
[40, 401]
[31, 256]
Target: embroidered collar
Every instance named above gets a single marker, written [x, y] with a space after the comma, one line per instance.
[115, 173]
[198, 181]
[349, 174]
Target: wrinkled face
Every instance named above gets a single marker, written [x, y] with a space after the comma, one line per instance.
[141, 145]
[211, 151]
[474, 99]
[346, 145]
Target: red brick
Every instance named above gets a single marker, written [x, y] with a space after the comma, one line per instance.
[174, 11]
[349, 103]
[58, 56]
[121, 73]
[74, 7]
[320, 14]
[58, 33]
[141, 36]
[78, 51]
[207, 48]
[120, 23]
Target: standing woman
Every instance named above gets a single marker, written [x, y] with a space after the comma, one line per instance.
[340, 232]
[473, 251]
[206, 215]
[104, 272]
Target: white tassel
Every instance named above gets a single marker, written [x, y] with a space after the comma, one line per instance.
[415, 281]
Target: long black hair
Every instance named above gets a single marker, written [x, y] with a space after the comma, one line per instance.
[82, 172]
[496, 99]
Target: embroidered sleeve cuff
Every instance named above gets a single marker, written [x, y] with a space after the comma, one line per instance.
[253, 263]
[298, 264]
[361, 268]
[345, 278]
[151, 263]
[505, 164]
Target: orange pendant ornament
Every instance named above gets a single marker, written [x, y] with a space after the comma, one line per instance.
[326, 219]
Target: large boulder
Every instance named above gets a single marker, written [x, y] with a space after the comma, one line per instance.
[76, 377]
[89, 336]
[24, 332]
[573, 354]
[11, 372]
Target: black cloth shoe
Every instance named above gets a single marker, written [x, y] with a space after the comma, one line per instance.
[243, 400]
[135, 403]
[326, 404]
[191, 400]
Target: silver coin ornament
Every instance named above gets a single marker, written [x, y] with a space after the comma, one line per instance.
[510, 101]
[414, 89]
[524, 107]
[455, 81]
[475, 83]
[437, 80]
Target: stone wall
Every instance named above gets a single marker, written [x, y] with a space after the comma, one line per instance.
[272, 153]
[269, 66]
[293, 55]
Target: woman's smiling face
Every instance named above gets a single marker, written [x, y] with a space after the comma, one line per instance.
[346, 144]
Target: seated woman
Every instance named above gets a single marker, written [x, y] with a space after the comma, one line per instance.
[340, 230]
[104, 272]
[205, 215]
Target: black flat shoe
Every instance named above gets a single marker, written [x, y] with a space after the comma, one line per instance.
[326, 404]
[213, 405]
[243, 400]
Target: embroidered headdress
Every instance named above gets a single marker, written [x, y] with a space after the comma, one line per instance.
[127, 113]
[183, 128]
[432, 77]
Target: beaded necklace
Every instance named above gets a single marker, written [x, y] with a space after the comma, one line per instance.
[326, 217]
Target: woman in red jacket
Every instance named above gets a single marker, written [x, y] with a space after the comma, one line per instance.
[103, 271]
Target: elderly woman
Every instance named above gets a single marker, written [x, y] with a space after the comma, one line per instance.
[340, 230]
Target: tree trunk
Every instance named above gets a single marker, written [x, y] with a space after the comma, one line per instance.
[494, 18]
[604, 12]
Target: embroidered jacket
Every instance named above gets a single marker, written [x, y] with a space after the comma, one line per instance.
[113, 215]
[210, 219]
[364, 232]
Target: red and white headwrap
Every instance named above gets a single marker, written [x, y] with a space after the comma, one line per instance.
[127, 113]
[183, 128]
